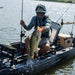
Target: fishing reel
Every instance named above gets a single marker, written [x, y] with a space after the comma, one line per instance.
[22, 46]
[23, 33]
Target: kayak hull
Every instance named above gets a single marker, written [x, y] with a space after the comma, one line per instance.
[38, 65]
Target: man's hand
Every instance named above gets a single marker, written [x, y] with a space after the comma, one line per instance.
[41, 29]
[22, 23]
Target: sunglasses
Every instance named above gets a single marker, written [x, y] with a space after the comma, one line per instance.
[40, 13]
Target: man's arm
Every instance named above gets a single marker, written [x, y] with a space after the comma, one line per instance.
[45, 28]
[32, 23]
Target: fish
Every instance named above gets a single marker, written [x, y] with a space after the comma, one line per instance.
[34, 42]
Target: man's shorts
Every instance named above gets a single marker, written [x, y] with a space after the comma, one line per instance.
[43, 40]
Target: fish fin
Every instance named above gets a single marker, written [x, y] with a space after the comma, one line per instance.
[32, 56]
[37, 48]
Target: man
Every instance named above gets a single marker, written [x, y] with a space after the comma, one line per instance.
[43, 22]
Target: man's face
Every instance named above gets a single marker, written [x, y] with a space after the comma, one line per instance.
[40, 14]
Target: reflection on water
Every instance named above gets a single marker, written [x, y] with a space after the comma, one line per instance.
[63, 68]
[10, 16]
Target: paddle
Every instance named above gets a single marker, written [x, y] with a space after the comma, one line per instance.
[72, 22]
[68, 23]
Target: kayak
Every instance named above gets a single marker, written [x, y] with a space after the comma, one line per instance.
[14, 59]
[19, 64]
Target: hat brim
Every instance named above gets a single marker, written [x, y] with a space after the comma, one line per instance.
[40, 10]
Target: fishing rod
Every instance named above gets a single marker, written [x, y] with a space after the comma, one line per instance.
[22, 34]
[21, 19]
[72, 27]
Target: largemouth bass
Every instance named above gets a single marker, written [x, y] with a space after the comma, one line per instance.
[35, 39]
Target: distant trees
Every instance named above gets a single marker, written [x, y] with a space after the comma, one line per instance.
[66, 1]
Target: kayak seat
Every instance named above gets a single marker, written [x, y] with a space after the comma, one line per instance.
[55, 28]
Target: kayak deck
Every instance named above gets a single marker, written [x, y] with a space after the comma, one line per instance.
[26, 66]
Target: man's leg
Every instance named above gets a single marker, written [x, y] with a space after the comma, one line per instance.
[27, 44]
[44, 46]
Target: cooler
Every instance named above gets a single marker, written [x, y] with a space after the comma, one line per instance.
[64, 40]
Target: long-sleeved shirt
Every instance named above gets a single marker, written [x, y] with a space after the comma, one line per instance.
[44, 21]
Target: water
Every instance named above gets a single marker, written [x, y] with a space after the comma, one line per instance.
[10, 16]
[64, 68]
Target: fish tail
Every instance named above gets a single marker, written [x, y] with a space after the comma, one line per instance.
[31, 55]
[28, 56]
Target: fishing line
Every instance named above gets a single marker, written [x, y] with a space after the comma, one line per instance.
[64, 13]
